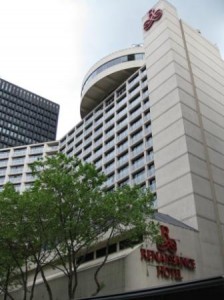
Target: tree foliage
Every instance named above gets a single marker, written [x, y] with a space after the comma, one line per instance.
[22, 237]
[66, 213]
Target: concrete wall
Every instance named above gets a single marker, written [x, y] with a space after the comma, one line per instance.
[125, 271]
[207, 77]
[185, 79]
[140, 274]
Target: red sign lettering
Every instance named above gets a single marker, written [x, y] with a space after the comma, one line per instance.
[173, 260]
[168, 273]
[170, 264]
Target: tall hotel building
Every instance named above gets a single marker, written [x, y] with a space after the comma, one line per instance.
[25, 118]
[153, 115]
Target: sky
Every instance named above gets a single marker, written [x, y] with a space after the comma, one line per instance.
[47, 46]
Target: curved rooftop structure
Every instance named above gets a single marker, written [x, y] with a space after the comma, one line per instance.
[107, 74]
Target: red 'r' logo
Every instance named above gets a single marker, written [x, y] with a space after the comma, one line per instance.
[153, 15]
[167, 244]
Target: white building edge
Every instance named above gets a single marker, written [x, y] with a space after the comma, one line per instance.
[157, 121]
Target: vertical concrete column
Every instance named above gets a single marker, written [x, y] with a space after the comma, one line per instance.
[169, 86]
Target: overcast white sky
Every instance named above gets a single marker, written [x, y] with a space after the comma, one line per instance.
[47, 46]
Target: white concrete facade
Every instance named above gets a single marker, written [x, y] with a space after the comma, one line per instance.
[15, 163]
[186, 90]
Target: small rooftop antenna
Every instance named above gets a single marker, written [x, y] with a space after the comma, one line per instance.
[137, 45]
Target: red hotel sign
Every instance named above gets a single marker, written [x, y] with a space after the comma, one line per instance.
[169, 264]
[153, 16]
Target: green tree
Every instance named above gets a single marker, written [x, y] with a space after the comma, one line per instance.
[22, 236]
[14, 250]
[66, 213]
[35, 208]
[82, 212]
[75, 189]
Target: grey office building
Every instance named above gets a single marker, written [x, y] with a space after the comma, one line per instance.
[25, 118]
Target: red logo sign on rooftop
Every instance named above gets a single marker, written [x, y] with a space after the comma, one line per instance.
[153, 16]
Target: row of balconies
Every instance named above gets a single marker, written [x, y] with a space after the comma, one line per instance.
[104, 115]
[89, 146]
[112, 145]
[13, 152]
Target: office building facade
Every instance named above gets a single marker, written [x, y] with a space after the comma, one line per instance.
[153, 115]
[25, 118]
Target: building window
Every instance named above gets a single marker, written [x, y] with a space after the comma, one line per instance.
[138, 161]
[110, 100]
[110, 154]
[121, 90]
[123, 171]
[137, 135]
[110, 180]
[2, 171]
[133, 78]
[98, 149]
[151, 170]
[16, 169]
[109, 143]
[139, 177]
[71, 132]
[138, 148]
[152, 185]
[136, 123]
[98, 138]
[110, 167]
[108, 120]
[109, 130]
[19, 152]
[122, 159]
[4, 154]
[3, 162]
[98, 119]
[98, 162]
[15, 178]
[18, 161]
